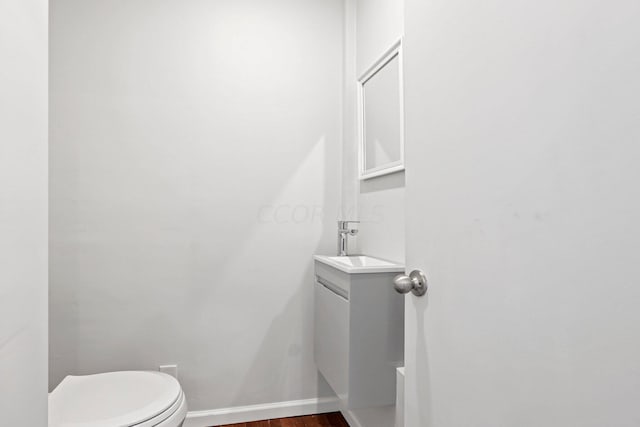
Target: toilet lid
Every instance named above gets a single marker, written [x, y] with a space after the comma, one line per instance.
[114, 399]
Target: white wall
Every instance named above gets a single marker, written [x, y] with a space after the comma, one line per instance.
[349, 185]
[195, 146]
[372, 27]
[23, 213]
[379, 24]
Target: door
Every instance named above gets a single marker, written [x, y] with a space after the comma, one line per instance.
[523, 189]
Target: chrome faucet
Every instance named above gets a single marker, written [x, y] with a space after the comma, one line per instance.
[343, 232]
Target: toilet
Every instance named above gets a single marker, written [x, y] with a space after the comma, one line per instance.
[118, 399]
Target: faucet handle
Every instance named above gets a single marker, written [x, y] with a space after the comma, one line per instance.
[343, 226]
[343, 231]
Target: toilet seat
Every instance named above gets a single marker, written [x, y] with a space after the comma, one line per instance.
[118, 399]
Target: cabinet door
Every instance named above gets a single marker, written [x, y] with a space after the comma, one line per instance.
[332, 338]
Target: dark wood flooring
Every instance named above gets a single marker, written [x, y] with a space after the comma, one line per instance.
[333, 419]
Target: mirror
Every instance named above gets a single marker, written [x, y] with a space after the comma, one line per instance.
[381, 116]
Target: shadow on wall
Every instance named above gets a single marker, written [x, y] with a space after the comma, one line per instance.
[382, 214]
[269, 370]
[384, 182]
[213, 343]
[284, 359]
[267, 346]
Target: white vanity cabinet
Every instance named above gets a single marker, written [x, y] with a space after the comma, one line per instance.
[359, 333]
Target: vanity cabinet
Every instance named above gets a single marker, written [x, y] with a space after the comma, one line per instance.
[359, 332]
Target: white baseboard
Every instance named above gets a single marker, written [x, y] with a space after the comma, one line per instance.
[244, 414]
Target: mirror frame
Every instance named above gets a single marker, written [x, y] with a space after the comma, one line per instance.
[398, 165]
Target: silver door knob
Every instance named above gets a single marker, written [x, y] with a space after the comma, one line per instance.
[416, 282]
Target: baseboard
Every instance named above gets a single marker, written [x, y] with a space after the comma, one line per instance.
[244, 414]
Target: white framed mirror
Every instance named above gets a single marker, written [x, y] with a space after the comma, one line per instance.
[381, 115]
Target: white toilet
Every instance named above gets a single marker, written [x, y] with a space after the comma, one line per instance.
[118, 399]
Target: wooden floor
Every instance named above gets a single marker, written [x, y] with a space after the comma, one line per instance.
[333, 419]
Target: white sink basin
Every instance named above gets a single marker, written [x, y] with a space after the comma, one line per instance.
[360, 264]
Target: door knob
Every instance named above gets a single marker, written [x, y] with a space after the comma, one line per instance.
[416, 282]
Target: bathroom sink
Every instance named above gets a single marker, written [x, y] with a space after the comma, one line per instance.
[358, 264]
[359, 321]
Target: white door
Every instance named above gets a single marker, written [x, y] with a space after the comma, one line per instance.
[523, 188]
